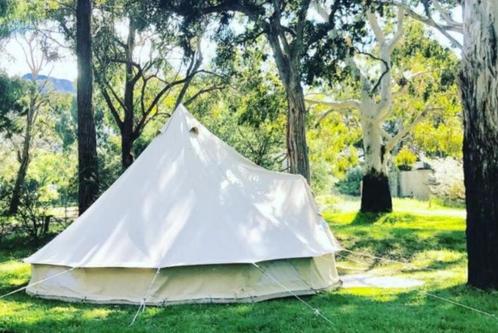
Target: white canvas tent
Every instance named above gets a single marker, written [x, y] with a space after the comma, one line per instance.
[186, 223]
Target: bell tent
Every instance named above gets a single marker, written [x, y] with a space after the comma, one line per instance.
[191, 221]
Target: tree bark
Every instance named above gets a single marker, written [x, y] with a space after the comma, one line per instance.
[375, 193]
[129, 112]
[87, 141]
[479, 88]
[24, 159]
[288, 68]
[297, 149]
[24, 155]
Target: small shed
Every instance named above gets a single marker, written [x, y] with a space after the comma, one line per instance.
[415, 183]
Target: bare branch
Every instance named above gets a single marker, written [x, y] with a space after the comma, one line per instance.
[328, 112]
[203, 91]
[374, 24]
[347, 104]
[451, 24]
[342, 106]
[407, 129]
[399, 30]
[428, 20]
[387, 68]
[191, 72]
[111, 107]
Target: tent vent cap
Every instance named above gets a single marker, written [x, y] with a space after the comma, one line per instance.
[194, 131]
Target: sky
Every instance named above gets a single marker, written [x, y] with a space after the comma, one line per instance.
[14, 62]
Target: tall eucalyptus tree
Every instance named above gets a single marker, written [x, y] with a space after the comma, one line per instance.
[298, 43]
[87, 139]
[479, 86]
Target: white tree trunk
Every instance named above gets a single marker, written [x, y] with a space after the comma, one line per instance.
[372, 145]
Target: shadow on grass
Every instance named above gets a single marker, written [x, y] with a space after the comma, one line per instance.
[402, 244]
[349, 310]
[374, 218]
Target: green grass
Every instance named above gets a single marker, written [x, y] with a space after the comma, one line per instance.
[430, 237]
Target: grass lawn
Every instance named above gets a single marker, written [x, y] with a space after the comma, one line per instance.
[430, 238]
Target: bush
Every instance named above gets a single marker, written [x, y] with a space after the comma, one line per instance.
[33, 214]
[405, 159]
[34, 218]
[351, 184]
[5, 189]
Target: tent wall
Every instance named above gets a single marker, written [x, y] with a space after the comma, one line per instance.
[187, 284]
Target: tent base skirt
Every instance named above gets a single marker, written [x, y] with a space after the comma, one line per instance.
[229, 283]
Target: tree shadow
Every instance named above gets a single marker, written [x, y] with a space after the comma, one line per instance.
[348, 310]
[373, 218]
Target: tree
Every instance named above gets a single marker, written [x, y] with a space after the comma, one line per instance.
[291, 34]
[251, 117]
[87, 141]
[479, 87]
[37, 98]
[374, 108]
[11, 103]
[146, 82]
[439, 133]
[436, 14]
[7, 7]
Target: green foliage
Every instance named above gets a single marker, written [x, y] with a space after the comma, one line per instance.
[405, 159]
[439, 134]
[250, 113]
[332, 147]
[11, 103]
[351, 184]
[315, 46]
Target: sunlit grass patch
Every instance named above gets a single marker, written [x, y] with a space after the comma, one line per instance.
[424, 247]
[13, 273]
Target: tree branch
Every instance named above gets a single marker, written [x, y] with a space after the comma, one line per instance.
[347, 104]
[407, 129]
[374, 24]
[111, 107]
[428, 20]
[341, 106]
[203, 91]
[399, 30]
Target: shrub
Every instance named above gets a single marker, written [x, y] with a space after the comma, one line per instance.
[405, 159]
[34, 218]
[351, 184]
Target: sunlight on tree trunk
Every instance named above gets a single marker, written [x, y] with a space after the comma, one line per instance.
[87, 141]
[375, 193]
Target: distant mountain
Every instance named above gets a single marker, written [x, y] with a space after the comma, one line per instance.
[59, 85]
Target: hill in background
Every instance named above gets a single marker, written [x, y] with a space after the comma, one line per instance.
[59, 85]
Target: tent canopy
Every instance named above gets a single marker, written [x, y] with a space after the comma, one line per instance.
[190, 199]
